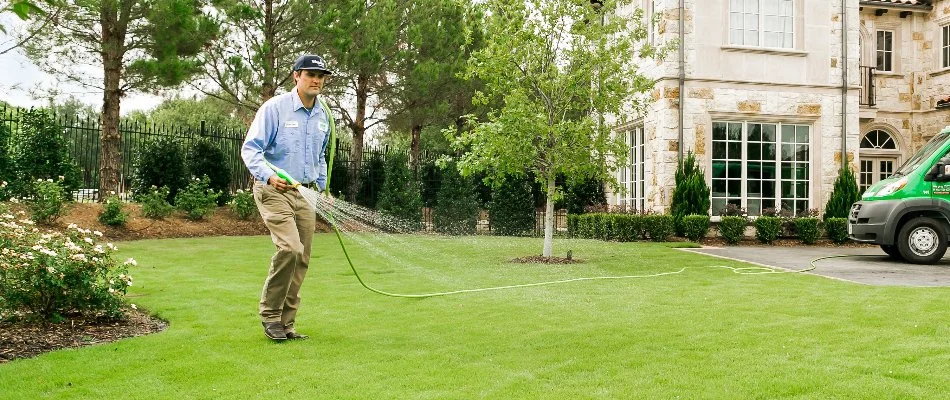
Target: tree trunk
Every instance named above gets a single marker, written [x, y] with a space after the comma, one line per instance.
[549, 219]
[269, 59]
[110, 160]
[359, 129]
[414, 148]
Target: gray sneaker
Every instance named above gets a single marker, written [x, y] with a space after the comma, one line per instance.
[274, 331]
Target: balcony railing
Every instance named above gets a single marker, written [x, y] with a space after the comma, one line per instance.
[867, 86]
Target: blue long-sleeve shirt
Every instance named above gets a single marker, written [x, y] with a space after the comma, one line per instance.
[288, 136]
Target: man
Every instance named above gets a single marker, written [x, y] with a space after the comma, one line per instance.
[290, 131]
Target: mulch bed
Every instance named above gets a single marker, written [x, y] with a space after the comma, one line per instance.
[29, 339]
[546, 260]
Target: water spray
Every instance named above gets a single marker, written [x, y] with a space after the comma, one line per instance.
[314, 199]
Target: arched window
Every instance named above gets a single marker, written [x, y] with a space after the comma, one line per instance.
[878, 139]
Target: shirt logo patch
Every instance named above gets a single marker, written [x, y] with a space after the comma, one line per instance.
[322, 126]
[291, 124]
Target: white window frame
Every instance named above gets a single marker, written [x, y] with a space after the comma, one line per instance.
[633, 175]
[743, 180]
[945, 46]
[745, 13]
[886, 53]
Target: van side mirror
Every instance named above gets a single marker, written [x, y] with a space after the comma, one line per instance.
[939, 173]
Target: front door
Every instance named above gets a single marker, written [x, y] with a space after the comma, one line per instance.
[873, 169]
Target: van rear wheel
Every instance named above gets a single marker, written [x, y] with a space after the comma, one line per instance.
[892, 251]
[922, 240]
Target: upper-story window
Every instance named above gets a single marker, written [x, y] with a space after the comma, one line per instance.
[765, 23]
[945, 47]
[885, 51]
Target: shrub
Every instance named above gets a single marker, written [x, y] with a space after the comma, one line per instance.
[581, 193]
[691, 195]
[48, 201]
[112, 212]
[573, 221]
[243, 204]
[155, 204]
[340, 178]
[159, 163]
[512, 208]
[204, 158]
[808, 229]
[374, 174]
[732, 228]
[39, 151]
[658, 226]
[400, 196]
[837, 229]
[845, 193]
[456, 209]
[197, 199]
[7, 173]
[767, 228]
[695, 227]
[54, 274]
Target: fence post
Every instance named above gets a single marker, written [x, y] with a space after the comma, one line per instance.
[203, 130]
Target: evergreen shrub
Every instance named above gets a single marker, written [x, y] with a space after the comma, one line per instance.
[808, 229]
[691, 194]
[695, 226]
[159, 163]
[112, 213]
[204, 158]
[837, 230]
[767, 228]
[659, 227]
[732, 228]
[456, 208]
[512, 208]
[845, 194]
[40, 151]
[400, 196]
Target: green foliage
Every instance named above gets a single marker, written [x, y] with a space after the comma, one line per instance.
[155, 204]
[456, 209]
[373, 177]
[218, 115]
[845, 194]
[205, 158]
[243, 204]
[7, 171]
[808, 229]
[401, 196]
[511, 209]
[837, 230]
[339, 181]
[54, 274]
[198, 199]
[580, 194]
[568, 74]
[48, 201]
[695, 227]
[159, 163]
[39, 151]
[658, 226]
[112, 212]
[767, 228]
[732, 228]
[691, 195]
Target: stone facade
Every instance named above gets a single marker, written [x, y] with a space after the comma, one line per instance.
[799, 85]
[725, 82]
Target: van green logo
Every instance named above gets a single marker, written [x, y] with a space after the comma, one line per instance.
[941, 189]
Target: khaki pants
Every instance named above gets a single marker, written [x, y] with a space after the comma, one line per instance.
[291, 222]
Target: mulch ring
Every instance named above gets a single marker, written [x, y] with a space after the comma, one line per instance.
[546, 260]
[29, 339]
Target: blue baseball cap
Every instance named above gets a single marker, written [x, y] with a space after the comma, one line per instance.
[312, 62]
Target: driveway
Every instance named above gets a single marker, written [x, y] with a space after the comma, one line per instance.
[872, 268]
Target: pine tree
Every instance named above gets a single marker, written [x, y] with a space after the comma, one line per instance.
[401, 196]
[843, 196]
[691, 195]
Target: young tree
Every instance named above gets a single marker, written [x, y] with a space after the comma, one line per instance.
[139, 45]
[559, 69]
[691, 195]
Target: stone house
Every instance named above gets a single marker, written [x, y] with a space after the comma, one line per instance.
[771, 93]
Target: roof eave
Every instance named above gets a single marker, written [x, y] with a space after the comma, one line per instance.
[897, 6]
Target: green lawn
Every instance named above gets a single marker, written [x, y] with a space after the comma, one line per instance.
[707, 333]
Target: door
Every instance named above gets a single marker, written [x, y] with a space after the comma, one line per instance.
[873, 169]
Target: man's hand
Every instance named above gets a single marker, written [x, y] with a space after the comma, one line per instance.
[278, 183]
